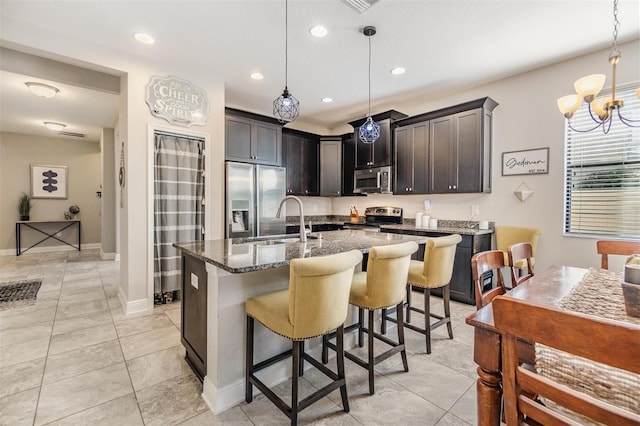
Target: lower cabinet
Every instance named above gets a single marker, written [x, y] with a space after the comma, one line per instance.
[461, 286]
[194, 314]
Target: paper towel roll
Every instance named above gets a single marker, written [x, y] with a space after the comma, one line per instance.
[418, 219]
[425, 221]
[433, 223]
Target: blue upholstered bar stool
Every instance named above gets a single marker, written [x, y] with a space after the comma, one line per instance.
[316, 303]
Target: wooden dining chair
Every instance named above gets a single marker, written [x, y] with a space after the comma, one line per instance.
[520, 254]
[607, 247]
[509, 235]
[549, 397]
[481, 263]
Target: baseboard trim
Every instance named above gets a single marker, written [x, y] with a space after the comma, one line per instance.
[50, 249]
[108, 256]
[134, 306]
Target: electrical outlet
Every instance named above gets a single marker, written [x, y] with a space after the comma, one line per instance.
[59, 234]
[475, 210]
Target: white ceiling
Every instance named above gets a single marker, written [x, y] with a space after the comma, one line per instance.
[445, 45]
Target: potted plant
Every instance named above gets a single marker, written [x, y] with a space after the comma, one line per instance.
[24, 206]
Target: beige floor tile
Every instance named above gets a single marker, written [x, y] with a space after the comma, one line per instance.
[466, 408]
[157, 367]
[78, 393]
[175, 315]
[23, 352]
[79, 308]
[12, 336]
[143, 324]
[19, 409]
[20, 377]
[233, 416]
[148, 342]
[68, 364]
[122, 411]
[171, 401]
[26, 316]
[81, 338]
[79, 322]
[451, 420]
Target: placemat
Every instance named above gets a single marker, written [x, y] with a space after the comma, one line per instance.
[598, 294]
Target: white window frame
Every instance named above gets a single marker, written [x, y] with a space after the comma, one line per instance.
[602, 174]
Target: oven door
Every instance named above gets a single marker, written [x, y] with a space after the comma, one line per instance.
[366, 181]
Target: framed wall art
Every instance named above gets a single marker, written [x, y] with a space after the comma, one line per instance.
[527, 162]
[49, 181]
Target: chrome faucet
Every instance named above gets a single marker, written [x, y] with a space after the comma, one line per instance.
[303, 233]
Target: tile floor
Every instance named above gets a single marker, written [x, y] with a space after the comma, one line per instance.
[74, 358]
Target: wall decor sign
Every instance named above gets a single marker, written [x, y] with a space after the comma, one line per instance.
[177, 101]
[527, 162]
[48, 181]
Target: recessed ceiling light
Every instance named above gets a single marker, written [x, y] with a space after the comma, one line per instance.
[56, 127]
[257, 76]
[327, 100]
[318, 31]
[144, 38]
[397, 71]
[42, 90]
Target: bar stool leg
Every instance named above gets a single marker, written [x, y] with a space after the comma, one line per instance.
[301, 369]
[446, 295]
[408, 316]
[427, 318]
[403, 352]
[383, 323]
[294, 382]
[248, 387]
[370, 350]
[325, 348]
[360, 327]
[340, 363]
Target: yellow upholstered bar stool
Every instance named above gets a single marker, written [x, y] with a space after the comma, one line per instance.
[381, 286]
[507, 236]
[434, 271]
[315, 304]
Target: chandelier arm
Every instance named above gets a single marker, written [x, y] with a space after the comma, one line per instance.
[587, 130]
[628, 121]
[596, 118]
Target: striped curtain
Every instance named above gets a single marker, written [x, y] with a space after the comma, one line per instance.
[178, 199]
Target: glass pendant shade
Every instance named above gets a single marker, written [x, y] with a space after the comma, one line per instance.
[286, 108]
[588, 87]
[598, 107]
[369, 132]
[569, 104]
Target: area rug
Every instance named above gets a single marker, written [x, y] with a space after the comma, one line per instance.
[18, 293]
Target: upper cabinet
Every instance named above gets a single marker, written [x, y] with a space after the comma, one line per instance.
[411, 154]
[331, 166]
[252, 139]
[379, 153]
[348, 163]
[301, 158]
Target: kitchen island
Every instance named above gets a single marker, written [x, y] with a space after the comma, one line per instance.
[219, 275]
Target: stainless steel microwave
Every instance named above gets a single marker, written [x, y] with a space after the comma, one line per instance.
[376, 180]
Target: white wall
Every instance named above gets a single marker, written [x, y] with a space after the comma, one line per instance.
[108, 195]
[526, 118]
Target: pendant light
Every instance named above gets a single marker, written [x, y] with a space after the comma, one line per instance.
[369, 132]
[588, 87]
[286, 108]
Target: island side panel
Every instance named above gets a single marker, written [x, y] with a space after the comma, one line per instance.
[193, 330]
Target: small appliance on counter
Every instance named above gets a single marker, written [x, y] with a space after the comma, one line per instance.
[377, 216]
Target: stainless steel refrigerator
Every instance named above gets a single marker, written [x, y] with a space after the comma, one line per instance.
[253, 194]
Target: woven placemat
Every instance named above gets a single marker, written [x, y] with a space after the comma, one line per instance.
[18, 293]
[599, 293]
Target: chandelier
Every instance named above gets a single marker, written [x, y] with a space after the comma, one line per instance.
[369, 132]
[286, 108]
[602, 110]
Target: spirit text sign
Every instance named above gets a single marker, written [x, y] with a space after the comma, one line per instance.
[177, 101]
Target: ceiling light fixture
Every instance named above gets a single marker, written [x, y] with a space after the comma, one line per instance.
[42, 90]
[327, 100]
[52, 125]
[318, 31]
[144, 38]
[397, 70]
[369, 132]
[286, 108]
[257, 76]
[588, 87]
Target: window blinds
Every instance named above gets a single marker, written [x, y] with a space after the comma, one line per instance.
[602, 191]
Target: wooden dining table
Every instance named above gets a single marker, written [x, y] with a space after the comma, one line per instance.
[547, 288]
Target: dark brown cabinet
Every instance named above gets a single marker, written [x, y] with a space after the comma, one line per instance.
[301, 158]
[330, 166]
[378, 153]
[411, 159]
[194, 314]
[348, 164]
[251, 140]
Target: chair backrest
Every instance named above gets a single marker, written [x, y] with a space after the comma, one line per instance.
[606, 248]
[387, 271]
[439, 255]
[577, 334]
[492, 260]
[509, 235]
[519, 253]
[319, 292]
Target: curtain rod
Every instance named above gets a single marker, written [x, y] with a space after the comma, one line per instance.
[165, 133]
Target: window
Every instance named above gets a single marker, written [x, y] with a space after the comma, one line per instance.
[602, 175]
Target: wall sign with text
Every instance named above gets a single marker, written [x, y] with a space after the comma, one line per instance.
[528, 162]
[177, 101]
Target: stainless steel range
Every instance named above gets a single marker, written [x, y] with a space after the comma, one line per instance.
[377, 216]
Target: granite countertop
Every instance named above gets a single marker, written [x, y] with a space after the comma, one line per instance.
[254, 254]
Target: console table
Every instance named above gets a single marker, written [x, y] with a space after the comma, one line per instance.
[37, 225]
